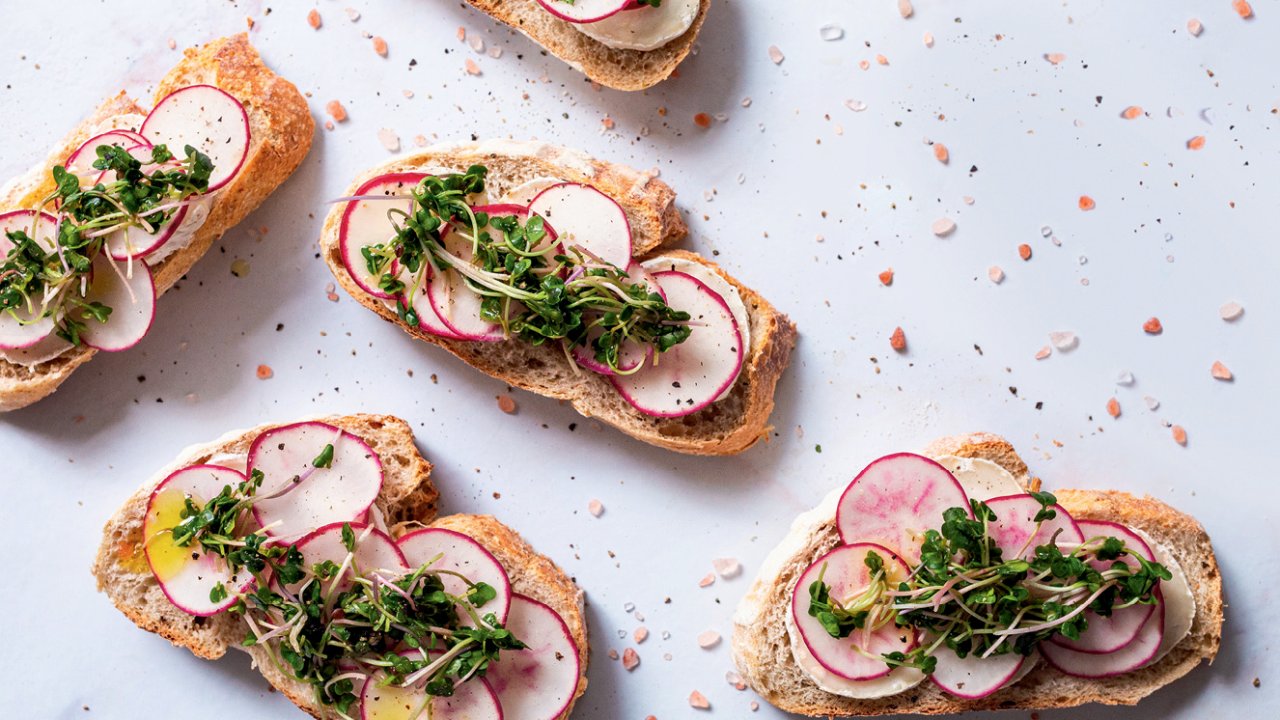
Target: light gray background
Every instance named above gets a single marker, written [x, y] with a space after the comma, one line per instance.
[805, 200]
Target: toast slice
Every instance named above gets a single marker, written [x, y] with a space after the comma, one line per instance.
[408, 496]
[762, 648]
[723, 428]
[281, 129]
[611, 67]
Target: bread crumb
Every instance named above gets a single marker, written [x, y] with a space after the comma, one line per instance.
[698, 701]
[1113, 408]
[265, 372]
[1152, 326]
[898, 340]
[507, 404]
[1221, 372]
[336, 111]
[313, 19]
[886, 277]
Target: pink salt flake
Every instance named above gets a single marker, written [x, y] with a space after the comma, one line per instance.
[698, 701]
[928, 39]
[943, 227]
[641, 634]
[776, 55]
[1195, 27]
[708, 639]
[595, 507]
[630, 659]
[995, 274]
[727, 567]
[708, 580]
[1043, 352]
[1231, 311]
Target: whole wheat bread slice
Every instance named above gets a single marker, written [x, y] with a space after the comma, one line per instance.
[723, 428]
[408, 497]
[615, 68]
[762, 647]
[281, 128]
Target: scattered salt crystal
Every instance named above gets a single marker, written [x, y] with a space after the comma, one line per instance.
[708, 639]
[613, 654]
[420, 140]
[640, 635]
[666, 634]
[621, 633]
[968, 199]
[352, 14]
[905, 9]
[596, 508]
[735, 680]
[1046, 231]
[1043, 352]
[1083, 260]
[1231, 311]
[708, 580]
[471, 67]
[1125, 378]
[776, 55]
[855, 105]
[1173, 112]
[995, 274]
[741, 178]
[1220, 371]
[831, 33]
[408, 94]
[1064, 340]
[1195, 27]
[943, 226]
[629, 607]
[727, 567]
[699, 701]
[1054, 58]
[389, 139]
[746, 102]
[477, 43]
[639, 616]
[1152, 403]
[1206, 115]
[495, 52]
[754, 706]
[928, 39]
[630, 659]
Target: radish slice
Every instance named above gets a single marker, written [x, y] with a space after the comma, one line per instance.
[587, 218]
[298, 496]
[471, 700]
[633, 354]
[1015, 525]
[455, 303]
[81, 161]
[1142, 650]
[972, 676]
[21, 328]
[375, 552]
[583, 11]
[449, 550]
[420, 301]
[208, 119]
[895, 499]
[365, 222]
[693, 374]
[539, 682]
[1110, 633]
[134, 241]
[845, 572]
[187, 575]
[132, 301]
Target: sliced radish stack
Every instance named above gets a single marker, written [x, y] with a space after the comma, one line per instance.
[418, 298]
[471, 700]
[132, 299]
[1109, 633]
[134, 241]
[22, 328]
[302, 496]
[632, 354]
[973, 676]
[187, 575]
[584, 11]
[1015, 525]
[375, 553]
[81, 161]
[455, 552]
[695, 373]
[539, 682]
[895, 499]
[1141, 651]
[844, 570]
[586, 218]
[208, 119]
[365, 222]
[455, 303]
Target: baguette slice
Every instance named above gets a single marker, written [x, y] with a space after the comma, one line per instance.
[762, 650]
[618, 69]
[408, 496]
[280, 126]
[725, 427]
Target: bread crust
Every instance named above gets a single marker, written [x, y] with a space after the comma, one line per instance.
[761, 646]
[723, 428]
[615, 68]
[408, 498]
[281, 129]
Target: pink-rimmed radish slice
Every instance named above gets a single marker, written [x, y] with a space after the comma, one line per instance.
[187, 575]
[584, 11]
[1109, 633]
[1014, 529]
[457, 306]
[374, 553]
[452, 551]
[586, 218]
[1142, 650]
[81, 161]
[845, 572]
[632, 354]
[132, 242]
[895, 499]
[132, 299]
[418, 298]
[539, 682]
[209, 120]
[972, 676]
[365, 222]
[298, 496]
[471, 700]
[693, 374]
[22, 327]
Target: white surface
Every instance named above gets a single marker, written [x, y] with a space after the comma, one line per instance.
[71, 459]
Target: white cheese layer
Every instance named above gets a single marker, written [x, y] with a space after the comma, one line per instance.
[1179, 602]
[646, 28]
[898, 679]
[980, 478]
[524, 193]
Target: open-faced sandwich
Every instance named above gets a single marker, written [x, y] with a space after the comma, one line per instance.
[950, 583]
[544, 268]
[622, 44]
[316, 548]
[126, 204]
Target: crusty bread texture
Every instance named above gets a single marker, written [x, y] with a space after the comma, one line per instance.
[615, 68]
[281, 128]
[723, 428]
[762, 647]
[408, 497]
